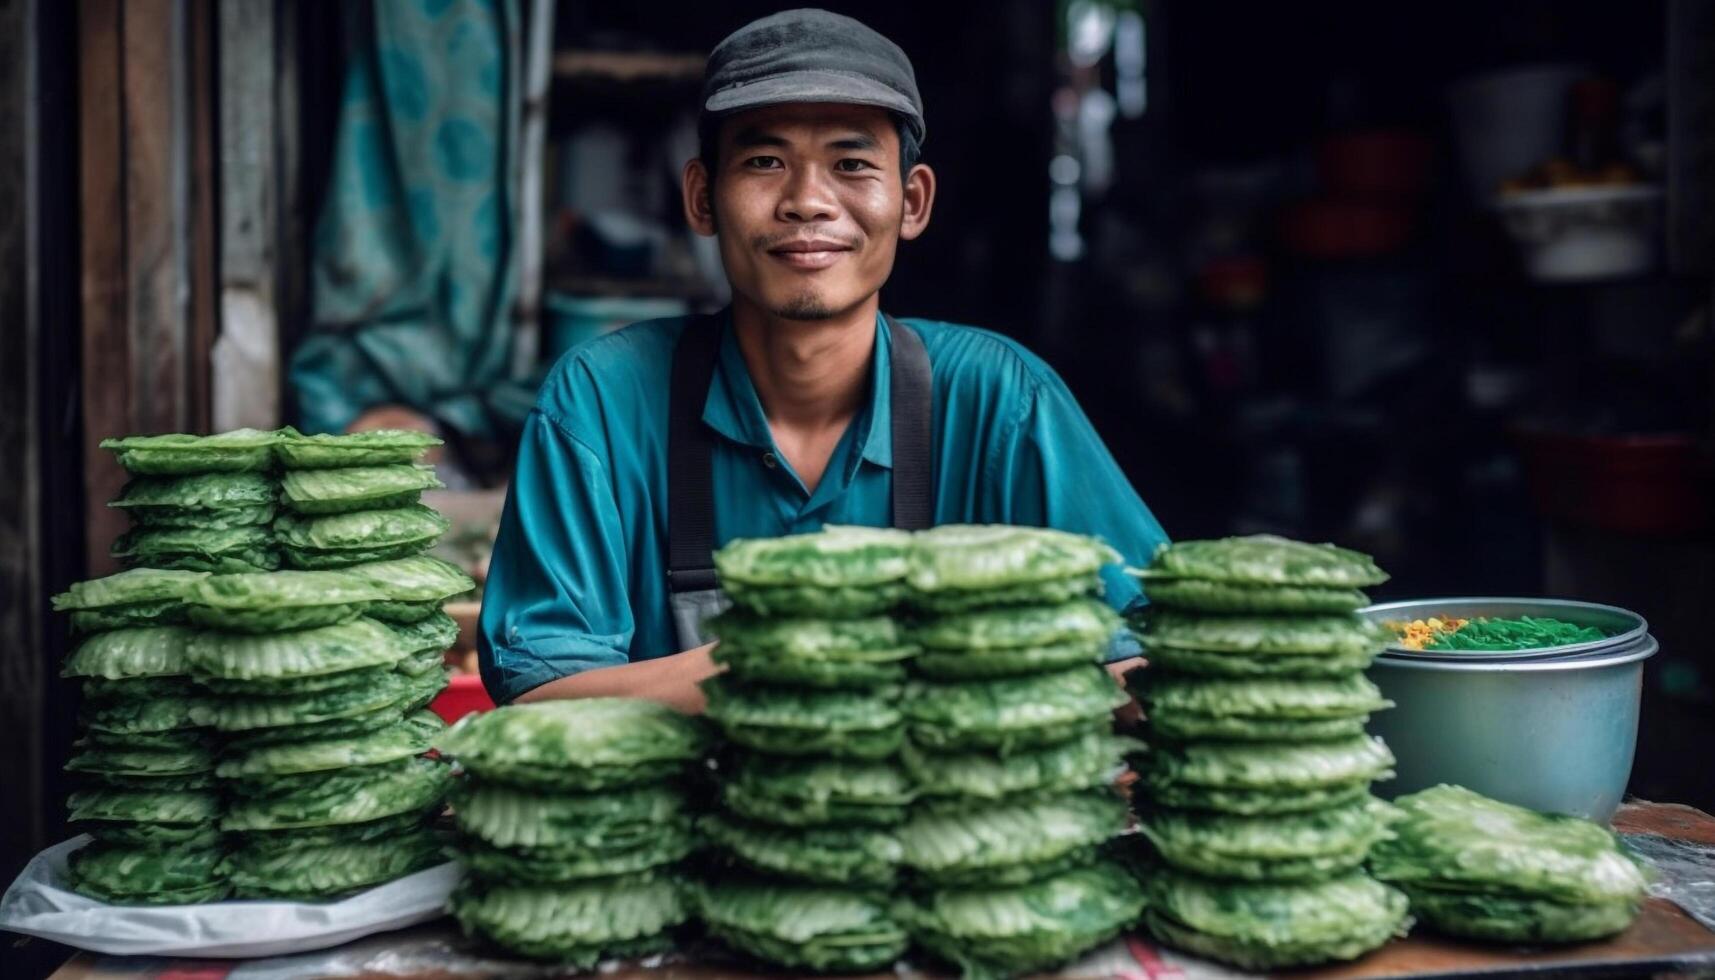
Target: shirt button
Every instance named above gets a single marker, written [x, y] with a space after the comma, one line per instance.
[770, 460]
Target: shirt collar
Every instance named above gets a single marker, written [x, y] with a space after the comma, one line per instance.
[734, 410]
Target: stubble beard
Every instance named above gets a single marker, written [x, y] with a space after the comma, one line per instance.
[805, 306]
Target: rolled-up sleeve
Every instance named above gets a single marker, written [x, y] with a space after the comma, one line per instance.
[555, 602]
[1055, 471]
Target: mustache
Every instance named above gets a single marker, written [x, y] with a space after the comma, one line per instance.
[767, 243]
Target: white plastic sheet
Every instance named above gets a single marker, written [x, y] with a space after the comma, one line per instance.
[39, 904]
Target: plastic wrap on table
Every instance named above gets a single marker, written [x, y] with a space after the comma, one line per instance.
[1684, 872]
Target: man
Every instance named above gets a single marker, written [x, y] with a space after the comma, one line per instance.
[798, 406]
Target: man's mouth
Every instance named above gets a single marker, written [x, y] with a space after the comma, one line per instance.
[810, 253]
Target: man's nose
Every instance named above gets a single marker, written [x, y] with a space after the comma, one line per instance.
[808, 196]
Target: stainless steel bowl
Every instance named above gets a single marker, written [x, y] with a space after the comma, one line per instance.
[1552, 729]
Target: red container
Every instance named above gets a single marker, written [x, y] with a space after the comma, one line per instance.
[1637, 484]
[1375, 165]
[464, 695]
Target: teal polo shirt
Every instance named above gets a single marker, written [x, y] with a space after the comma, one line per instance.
[578, 578]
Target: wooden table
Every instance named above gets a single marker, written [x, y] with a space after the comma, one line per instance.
[1663, 940]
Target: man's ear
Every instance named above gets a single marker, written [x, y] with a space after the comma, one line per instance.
[919, 201]
[699, 200]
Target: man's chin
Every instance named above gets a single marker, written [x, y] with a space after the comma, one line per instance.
[805, 307]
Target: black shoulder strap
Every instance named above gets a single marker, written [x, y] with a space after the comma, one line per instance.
[690, 450]
[913, 426]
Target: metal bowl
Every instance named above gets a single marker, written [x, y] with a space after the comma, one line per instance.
[1552, 729]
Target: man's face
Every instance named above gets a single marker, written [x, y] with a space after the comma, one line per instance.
[809, 206]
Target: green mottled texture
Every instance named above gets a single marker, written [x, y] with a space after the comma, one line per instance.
[1185, 726]
[342, 796]
[1277, 848]
[1079, 622]
[837, 602]
[414, 526]
[1264, 559]
[837, 556]
[278, 601]
[1510, 919]
[200, 549]
[271, 687]
[331, 870]
[237, 451]
[1050, 593]
[573, 924]
[422, 662]
[965, 846]
[156, 783]
[1203, 663]
[610, 820]
[424, 687]
[336, 491]
[1351, 696]
[155, 516]
[841, 855]
[1255, 802]
[164, 500]
[138, 651]
[161, 612]
[128, 588]
[1260, 926]
[996, 932]
[188, 740]
[1342, 636]
[274, 841]
[240, 742]
[1011, 712]
[956, 665]
[412, 736]
[668, 844]
[1086, 761]
[143, 876]
[154, 834]
[126, 716]
[1451, 838]
[376, 447]
[789, 721]
[300, 653]
[590, 743]
[801, 926]
[815, 792]
[435, 633]
[133, 806]
[404, 612]
[239, 714]
[1269, 767]
[418, 579]
[808, 639]
[102, 689]
[141, 761]
[1198, 595]
[768, 669]
[972, 557]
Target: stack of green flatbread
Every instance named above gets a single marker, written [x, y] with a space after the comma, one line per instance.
[811, 788]
[203, 503]
[1255, 785]
[1010, 747]
[146, 765]
[1484, 869]
[574, 821]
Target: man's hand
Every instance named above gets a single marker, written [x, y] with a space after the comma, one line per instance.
[1130, 712]
[670, 680]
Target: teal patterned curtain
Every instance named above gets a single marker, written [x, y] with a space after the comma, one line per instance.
[413, 269]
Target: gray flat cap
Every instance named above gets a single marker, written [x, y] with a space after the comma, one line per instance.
[811, 55]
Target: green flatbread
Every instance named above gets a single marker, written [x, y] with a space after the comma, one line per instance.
[1264, 559]
[435, 633]
[799, 926]
[954, 665]
[770, 670]
[787, 721]
[1279, 847]
[375, 447]
[332, 870]
[976, 845]
[1011, 713]
[274, 687]
[1274, 768]
[129, 716]
[1258, 926]
[144, 876]
[341, 797]
[1018, 929]
[418, 579]
[834, 602]
[138, 651]
[1050, 593]
[1352, 696]
[1341, 636]
[412, 736]
[241, 742]
[1204, 663]
[141, 762]
[128, 588]
[807, 639]
[200, 549]
[143, 806]
[336, 491]
[973, 559]
[668, 844]
[577, 924]
[586, 744]
[835, 557]
[842, 855]
[607, 820]
[187, 500]
[1186, 726]
[1086, 761]
[816, 792]
[335, 540]
[274, 602]
[162, 612]
[202, 835]
[238, 714]
[1198, 595]
[237, 451]
[422, 662]
[1452, 838]
[274, 841]
[1256, 802]
[1081, 622]
[300, 653]
[1508, 919]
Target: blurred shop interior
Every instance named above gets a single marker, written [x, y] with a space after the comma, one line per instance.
[1433, 280]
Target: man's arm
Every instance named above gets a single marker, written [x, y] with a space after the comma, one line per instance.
[671, 680]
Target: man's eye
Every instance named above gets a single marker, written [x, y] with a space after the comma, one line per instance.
[852, 165]
[763, 163]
